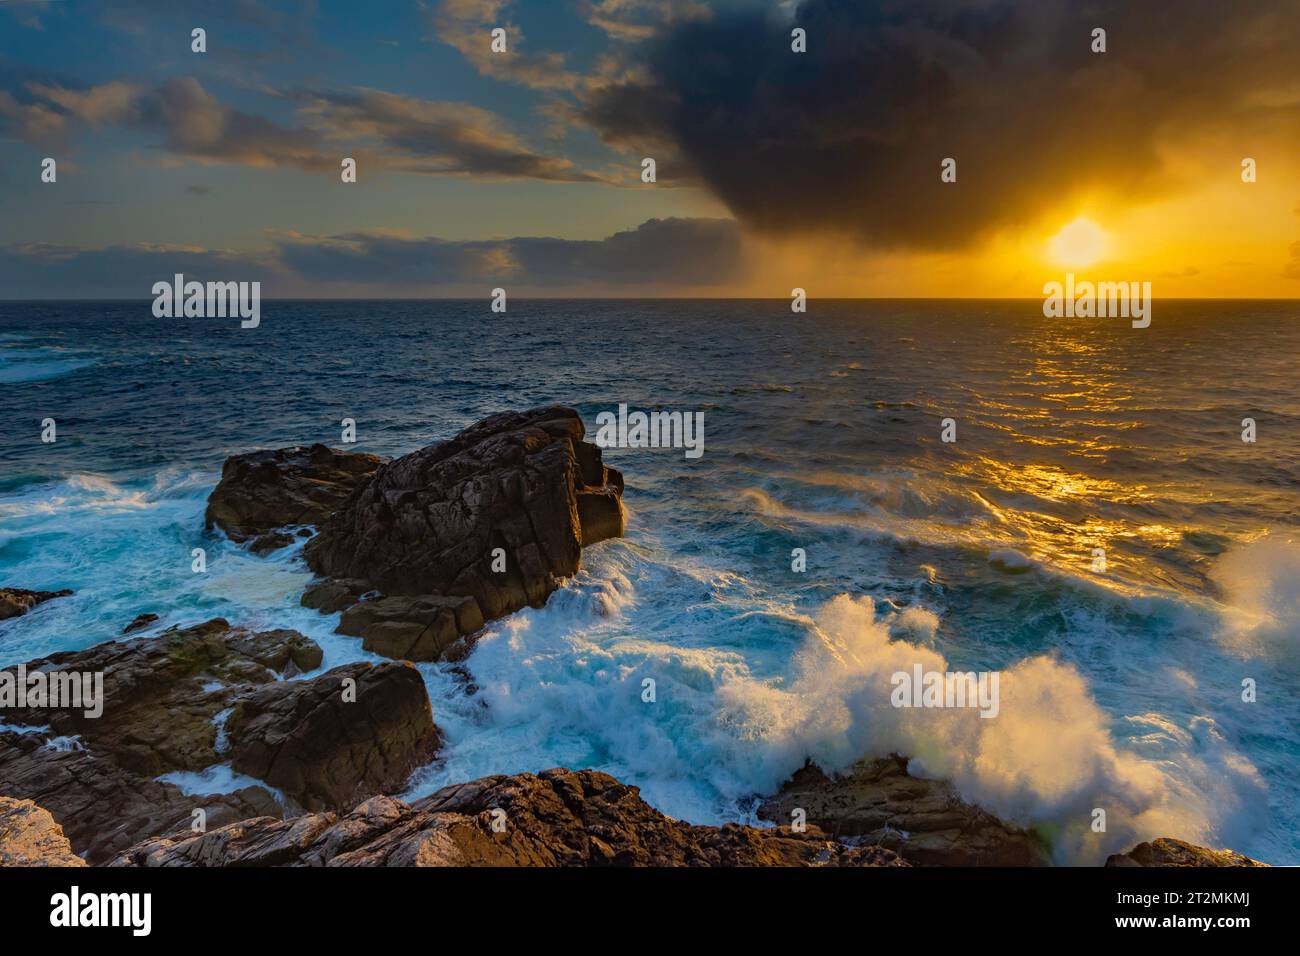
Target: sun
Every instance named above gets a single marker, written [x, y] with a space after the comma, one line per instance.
[1079, 243]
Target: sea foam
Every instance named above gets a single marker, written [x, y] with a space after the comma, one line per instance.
[1261, 585]
[568, 681]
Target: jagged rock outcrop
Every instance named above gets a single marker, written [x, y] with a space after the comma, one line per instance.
[30, 837]
[555, 818]
[15, 602]
[465, 531]
[1167, 851]
[168, 702]
[877, 803]
[160, 693]
[265, 490]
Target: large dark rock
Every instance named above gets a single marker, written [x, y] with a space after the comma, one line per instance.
[1167, 851]
[264, 490]
[331, 742]
[425, 530]
[165, 701]
[878, 804]
[555, 818]
[15, 602]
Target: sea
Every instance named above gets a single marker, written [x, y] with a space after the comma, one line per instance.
[1097, 531]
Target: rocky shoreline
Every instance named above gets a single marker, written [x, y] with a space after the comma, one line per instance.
[416, 554]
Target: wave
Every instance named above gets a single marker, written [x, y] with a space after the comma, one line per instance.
[731, 717]
[1047, 759]
[746, 685]
[126, 547]
[1261, 584]
[20, 365]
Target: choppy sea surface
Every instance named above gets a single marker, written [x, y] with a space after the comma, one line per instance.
[1121, 689]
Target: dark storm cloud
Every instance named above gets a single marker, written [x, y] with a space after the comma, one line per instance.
[849, 136]
[673, 253]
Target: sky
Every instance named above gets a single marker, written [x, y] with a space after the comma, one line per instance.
[775, 168]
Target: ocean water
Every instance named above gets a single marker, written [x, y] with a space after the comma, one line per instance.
[1120, 689]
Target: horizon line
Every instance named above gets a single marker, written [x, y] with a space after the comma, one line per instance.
[664, 298]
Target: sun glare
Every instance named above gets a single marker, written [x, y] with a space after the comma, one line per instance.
[1079, 243]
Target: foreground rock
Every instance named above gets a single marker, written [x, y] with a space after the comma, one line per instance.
[465, 531]
[1167, 851]
[15, 602]
[329, 752]
[193, 698]
[556, 818]
[30, 837]
[265, 490]
[878, 804]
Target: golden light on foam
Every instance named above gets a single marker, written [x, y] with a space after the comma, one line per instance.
[1079, 243]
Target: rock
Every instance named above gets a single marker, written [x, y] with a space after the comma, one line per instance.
[412, 628]
[555, 818]
[271, 541]
[600, 514]
[15, 602]
[328, 752]
[162, 695]
[265, 490]
[140, 622]
[165, 700]
[330, 597]
[161, 692]
[30, 837]
[1167, 851]
[878, 804]
[426, 526]
[103, 807]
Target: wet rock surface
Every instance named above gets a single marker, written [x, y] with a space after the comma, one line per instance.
[262, 491]
[464, 532]
[878, 804]
[139, 623]
[330, 742]
[1170, 852]
[168, 705]
[555, 818]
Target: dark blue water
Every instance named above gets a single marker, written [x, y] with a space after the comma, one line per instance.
[1120, 688]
